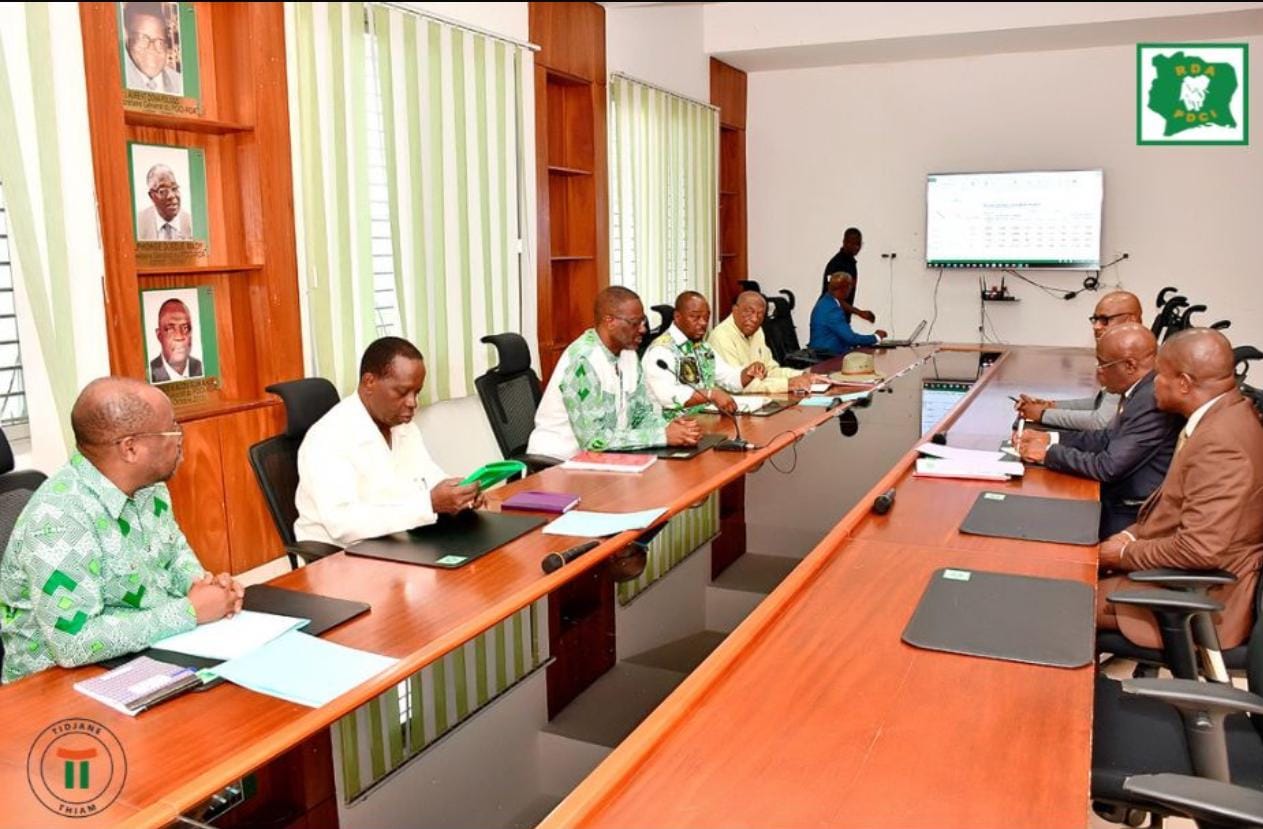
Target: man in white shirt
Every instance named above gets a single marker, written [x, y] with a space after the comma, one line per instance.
[148, 66]
[694, 375]
[363, 469]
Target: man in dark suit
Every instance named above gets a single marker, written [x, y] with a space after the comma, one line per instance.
[1207, 513]
[1130, 456]
[175, 335]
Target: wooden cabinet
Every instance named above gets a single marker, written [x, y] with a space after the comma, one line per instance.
[570, 159]
[728, 92]
[241, 129]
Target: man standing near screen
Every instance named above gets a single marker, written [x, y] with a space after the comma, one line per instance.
[844, 262]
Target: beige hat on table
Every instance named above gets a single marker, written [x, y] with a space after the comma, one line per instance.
[857, 367]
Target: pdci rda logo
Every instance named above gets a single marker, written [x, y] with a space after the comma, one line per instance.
[1192, 93]
[76, 767]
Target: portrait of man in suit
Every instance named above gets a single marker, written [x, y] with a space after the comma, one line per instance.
[164, 221]
[175, 336]
[150, 50]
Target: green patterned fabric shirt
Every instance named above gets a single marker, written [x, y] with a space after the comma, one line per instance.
[90, 573]
[595, 401]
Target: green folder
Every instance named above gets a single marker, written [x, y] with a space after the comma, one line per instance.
[493, 473]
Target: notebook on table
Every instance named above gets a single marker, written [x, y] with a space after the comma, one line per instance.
[536, 501]
[612, 460]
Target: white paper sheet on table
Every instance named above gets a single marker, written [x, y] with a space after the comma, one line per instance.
[230, 638]
[303, 669]
[587, 524]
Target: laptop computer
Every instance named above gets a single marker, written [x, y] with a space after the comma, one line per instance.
[911, 340]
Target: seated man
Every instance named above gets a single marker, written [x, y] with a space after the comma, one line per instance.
[597, 398]
[739, 341]
[1131, 455]
[1206, 514]
[1097, 411]
[831, 331]
[97, 566]
[694, 374]
[363, 469]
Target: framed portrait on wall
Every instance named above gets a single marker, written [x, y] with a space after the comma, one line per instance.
[158, 53]
[181, 340]
[168, 202]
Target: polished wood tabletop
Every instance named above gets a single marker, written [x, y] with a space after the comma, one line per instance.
[184, 750]
[813, 712]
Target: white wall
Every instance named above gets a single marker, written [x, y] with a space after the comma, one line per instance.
[839, 146]
[661, 45]
[507, 19]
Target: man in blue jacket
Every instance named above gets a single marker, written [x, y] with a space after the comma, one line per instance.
[1130, 456]
[831, 331]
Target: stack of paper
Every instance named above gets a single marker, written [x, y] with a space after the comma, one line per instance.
[303, 669]
[230, 638]
[610, 462]
[826, 401]
[746, 403]
[954, 462]
[585, 524]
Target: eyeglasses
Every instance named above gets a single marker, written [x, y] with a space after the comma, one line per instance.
[635, 322]
[172, 328]
[1102, 366]
[164, 192]
[144, 41]
[1104, 319]
[177, 432]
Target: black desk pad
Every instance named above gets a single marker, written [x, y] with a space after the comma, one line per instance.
[1034, 518]
[1002, 616]
[453, 541]
[675, 453]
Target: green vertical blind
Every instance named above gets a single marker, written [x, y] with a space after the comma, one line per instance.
[664, 192]
[683, 535]
[454, 137]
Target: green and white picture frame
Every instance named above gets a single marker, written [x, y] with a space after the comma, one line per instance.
[157, 44]
[181, 343]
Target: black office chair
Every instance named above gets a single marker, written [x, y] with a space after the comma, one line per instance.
[510, 393]
[16, 488]
[275, 461]
[666, 315]
[782, 335]
[1174, 726]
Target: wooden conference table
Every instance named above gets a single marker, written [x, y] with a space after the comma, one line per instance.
[811, 711]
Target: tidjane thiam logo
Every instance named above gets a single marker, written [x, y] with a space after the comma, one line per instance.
[76, 767]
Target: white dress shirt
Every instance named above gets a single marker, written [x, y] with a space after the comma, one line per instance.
[1198, 413]
[666, 386]
[352, 486]
[172, 373]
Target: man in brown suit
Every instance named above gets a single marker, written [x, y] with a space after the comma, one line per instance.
[1208, 513]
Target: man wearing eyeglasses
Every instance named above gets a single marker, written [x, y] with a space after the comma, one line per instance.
[597, 398]
[175, 335]
[1130, 456]
[148, 46]
[164, 221]
[1115, 308]
[96, 566]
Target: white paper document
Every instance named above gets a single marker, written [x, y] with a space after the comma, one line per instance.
[956, 453]
[230, 638]
[304, 669]
[974, 470]
[585, 524]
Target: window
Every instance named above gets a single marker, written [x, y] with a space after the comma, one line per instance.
[385, 300]
[13, 416]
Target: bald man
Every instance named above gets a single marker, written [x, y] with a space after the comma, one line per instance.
[1130, 456]
[1206, 515]
[739, 340]
[597, 398]
[1115, 308]
[831, 331]
[96, 566]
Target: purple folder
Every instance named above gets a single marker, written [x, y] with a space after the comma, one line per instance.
[535, 501]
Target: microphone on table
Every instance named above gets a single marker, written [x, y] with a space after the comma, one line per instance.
[734, 444]
[555, 561]
[882, 503]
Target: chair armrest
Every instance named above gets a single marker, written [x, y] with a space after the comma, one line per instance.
[1200, 799]
[1188, 579]
[1191, 695]
[1171, 600]
[310, 551]
[537, 463]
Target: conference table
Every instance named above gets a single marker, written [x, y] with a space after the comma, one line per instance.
[811, 712]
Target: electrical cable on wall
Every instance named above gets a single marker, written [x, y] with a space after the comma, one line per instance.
[930, 333]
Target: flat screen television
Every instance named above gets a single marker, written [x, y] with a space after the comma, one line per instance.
[1048, 219]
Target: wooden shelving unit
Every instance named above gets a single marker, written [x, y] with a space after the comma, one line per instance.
[728, 92]
[570, 162]
[243, 131]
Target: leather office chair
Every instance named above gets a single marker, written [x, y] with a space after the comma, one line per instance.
[510, 392]
[275, 460]
[782, 334]
[16, 488]
[666, 315]
[1177, 727]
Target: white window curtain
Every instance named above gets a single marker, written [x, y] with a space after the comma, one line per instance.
[454, 131]
[664, 192]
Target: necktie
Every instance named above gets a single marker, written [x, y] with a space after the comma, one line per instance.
[1179, 443]
[167, 231]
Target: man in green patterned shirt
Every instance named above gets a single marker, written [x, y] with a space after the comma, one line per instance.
[597, 398]
[96, 565]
